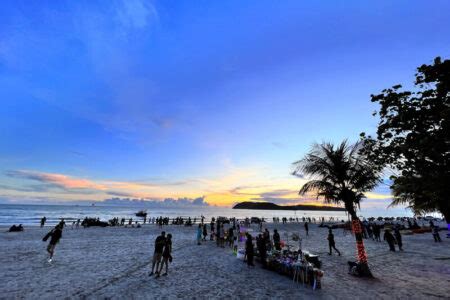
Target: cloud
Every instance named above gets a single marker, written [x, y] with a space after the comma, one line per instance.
[137, 13]
[57, 180]
[165, 203]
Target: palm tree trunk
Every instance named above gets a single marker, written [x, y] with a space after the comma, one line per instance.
[362, 256]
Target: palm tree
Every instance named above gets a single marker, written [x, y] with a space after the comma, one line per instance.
[341, 175]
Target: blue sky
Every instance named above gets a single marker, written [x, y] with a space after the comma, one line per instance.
[157, 99]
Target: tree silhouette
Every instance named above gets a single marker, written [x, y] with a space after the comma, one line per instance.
[413, 139]
[341, 175]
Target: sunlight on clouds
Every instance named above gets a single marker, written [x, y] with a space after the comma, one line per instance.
[232, 186]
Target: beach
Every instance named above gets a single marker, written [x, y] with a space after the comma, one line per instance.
[114, 262]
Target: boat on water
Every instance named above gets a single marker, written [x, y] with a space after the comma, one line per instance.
[141, 213]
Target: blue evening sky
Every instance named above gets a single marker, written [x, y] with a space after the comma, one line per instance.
[162, 99]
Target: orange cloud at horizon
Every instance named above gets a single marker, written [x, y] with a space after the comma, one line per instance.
[236, 185]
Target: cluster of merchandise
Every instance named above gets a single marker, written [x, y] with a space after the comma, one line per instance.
[302, 267]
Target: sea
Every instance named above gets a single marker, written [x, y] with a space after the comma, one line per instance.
[30, 214]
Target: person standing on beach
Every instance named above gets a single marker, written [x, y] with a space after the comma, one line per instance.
[218, 232]
[55, 235]
[390, 239]
[205, 232]
[377, 232]
[160, 241]
[398, 237]
[222, 236]
[249, 251]
[199, 234]
[211, 238]
[43, 221]
[262, 249]
[276, 240]
[331, 243]
[166, 256]
[306, 228]
[266, 237]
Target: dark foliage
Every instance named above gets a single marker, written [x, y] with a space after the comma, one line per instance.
[413, 139]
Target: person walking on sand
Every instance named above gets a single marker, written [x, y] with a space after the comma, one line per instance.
[435, 232]
[398, 237]
[55, 235]
[166, 256]
[160, 241]
[199, 234]
[43, 220]
[249, 251]
[331, 243]
[306, 228]
[389, 238]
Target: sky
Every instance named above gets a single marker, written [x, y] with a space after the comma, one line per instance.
[188, 99]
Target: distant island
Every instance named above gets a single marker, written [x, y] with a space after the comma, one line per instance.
[273, 206]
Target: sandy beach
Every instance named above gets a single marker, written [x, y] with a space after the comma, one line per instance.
[114, 263]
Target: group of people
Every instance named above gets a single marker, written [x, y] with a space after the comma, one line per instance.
[393, 239]
[16, 228]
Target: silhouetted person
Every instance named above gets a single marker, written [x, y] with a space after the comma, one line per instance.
[276, 240]
[212, 225]
[249, 251]
[199, 234]
[266, 236]
[306, 228]
[167, 255]
[331, 243]
[377, 232]
[205, 231]
[55, 235]
[160, 241]
[389, 238]
[262, 249]
[43, 220]
[398, 237]
[15, 228]
[435, 232]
